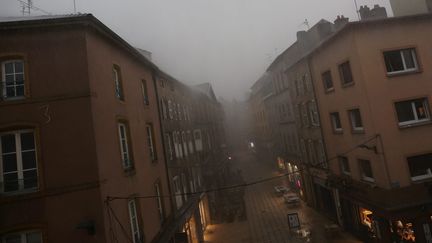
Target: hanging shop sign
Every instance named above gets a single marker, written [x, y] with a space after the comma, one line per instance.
[293, 221]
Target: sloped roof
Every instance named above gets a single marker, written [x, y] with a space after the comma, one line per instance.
[207, 89]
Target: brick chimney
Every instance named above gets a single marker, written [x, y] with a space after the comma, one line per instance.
[376, 13]
[340, 21]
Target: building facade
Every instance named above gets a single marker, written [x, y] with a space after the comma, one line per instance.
[373, 90]
[82, 158]
[191, 127]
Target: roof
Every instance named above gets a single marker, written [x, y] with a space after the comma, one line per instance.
[28, 22]
[206, 89]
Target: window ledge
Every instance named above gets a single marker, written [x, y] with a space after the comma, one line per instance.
[19, 193]
[348, 84]
[357, 131]
[339, 132]
[421, 178]
[328, 91]
[403, 73]
[130, 171]
[415, 124]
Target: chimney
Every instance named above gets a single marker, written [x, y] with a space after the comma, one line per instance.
[324, 29]
[340, 21]
[301, 36]
[376, 13]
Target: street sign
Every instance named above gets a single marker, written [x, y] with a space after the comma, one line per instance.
[293, 221]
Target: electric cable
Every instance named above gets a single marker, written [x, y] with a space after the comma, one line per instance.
[123, 229]
[111, 198]
[34, 7]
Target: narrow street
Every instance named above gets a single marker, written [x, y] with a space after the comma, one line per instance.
[267, 212]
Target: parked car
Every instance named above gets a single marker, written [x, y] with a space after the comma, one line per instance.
[292, 199]
[280, 190]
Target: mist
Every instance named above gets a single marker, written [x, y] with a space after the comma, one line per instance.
[226, 43]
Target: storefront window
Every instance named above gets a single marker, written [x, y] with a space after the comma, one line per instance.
[366, 217]
[402, 232]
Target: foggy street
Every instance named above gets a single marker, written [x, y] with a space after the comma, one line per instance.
[267, 212]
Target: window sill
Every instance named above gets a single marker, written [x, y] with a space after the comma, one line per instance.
[415, 124]
[368, 180]
[357, 131]
[421, 178]
[130, 171]
[19, 193]
[347, 85]
[338, 132]
[403, 73]
[328, 91]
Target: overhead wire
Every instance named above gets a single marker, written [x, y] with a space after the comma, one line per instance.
[33, 7]
[111, 198]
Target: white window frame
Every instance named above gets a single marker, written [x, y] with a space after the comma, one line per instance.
[333, 122]
[177, 191]
[22, 235]
[159, 201]
[20, 171]
[363, 176]
[413, 55]
[124, 151]
[414, 111]
[3, 80]
[133, 218]
[353, 122]
[184, 144]
[144, 90]
[169, 146]
[313, 113]
[150, 141]
[342, 166]
[119, 92]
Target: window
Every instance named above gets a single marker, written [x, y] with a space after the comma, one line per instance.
[169, 146]
[198, 140]
[170, 109]
[12, 79]
[356, 121]
[336, 123]
[136, 235]
[118, 83]
[412, 111]
[420, 166]
[18, 161]
[177, 192]
[366, 170]
[150, 141]
[22, 237]
[184, 142]
[319, 148]
[144, 91]
[345, 73]
[159, 201]
[400, 61]
[124, 145]
[344, 165]
[190, 142]
[327, 80]
[313, 113]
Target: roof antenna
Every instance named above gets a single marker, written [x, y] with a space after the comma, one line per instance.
[26, 6]
[358, 13]
[305, 22]
[74, 6]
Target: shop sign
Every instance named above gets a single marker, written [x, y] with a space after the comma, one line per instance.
[293, 221]
[427, 232]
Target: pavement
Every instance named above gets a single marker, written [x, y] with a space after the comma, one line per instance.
[267, 212]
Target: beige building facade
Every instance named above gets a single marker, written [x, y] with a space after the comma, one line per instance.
[373, 86]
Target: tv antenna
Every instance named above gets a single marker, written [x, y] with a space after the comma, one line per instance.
[27, 6]
[306, 23]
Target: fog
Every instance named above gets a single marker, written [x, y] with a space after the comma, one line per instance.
[228, 43]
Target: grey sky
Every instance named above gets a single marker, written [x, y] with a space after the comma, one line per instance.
[228, 43]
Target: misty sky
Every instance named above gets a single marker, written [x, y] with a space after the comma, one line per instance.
[228, 43]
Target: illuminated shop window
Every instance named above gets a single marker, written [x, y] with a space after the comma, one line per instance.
[403, 231]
